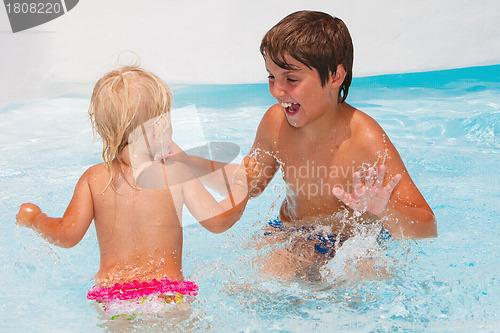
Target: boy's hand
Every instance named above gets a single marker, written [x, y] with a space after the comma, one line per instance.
[26, 214]
[369, 196]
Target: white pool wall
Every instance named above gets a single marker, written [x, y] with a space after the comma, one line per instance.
[218, 41]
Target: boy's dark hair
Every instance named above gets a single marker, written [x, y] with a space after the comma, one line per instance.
[317, 40]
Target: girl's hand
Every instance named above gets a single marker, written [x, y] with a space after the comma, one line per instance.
[175, 153]
[248, 173]
[369, 195]
[253, 171]
[26, 214]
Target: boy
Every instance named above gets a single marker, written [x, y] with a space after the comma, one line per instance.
[322, 144]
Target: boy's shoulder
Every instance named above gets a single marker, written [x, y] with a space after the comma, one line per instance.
[273, 118]
[364, 125]
[270, 126]
[366, 132]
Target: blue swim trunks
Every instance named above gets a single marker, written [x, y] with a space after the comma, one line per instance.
[323, 244]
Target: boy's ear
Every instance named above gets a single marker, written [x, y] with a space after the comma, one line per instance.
[337, 78]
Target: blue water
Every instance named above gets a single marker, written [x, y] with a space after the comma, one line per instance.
[445, 125]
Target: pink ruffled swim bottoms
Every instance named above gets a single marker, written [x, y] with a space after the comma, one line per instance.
[140, 298]
[137, 289]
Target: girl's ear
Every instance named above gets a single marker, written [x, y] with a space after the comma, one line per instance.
[337, 78]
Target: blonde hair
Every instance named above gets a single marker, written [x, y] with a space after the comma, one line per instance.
[122, 100]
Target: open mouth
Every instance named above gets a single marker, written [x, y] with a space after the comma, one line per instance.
[290, 108]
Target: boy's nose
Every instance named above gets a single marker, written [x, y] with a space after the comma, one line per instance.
[277, 90]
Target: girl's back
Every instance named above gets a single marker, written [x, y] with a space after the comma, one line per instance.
[139, 231]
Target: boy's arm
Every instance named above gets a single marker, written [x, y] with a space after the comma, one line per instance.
[216, 216]
[389, 194]
[68, 230]
[407, 214]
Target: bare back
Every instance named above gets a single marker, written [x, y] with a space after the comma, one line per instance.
[139, 232]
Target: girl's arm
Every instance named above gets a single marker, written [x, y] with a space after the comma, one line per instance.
[218, 217]
[211, 173]
[66, 231]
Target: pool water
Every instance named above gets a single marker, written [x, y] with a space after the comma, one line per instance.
[446, 126]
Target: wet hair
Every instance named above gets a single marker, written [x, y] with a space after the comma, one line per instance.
[317, 40]
[122, 100]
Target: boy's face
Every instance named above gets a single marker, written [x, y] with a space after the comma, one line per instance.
[299, 91]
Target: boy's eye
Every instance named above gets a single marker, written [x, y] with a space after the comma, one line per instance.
[292, 80]
[270, 77]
